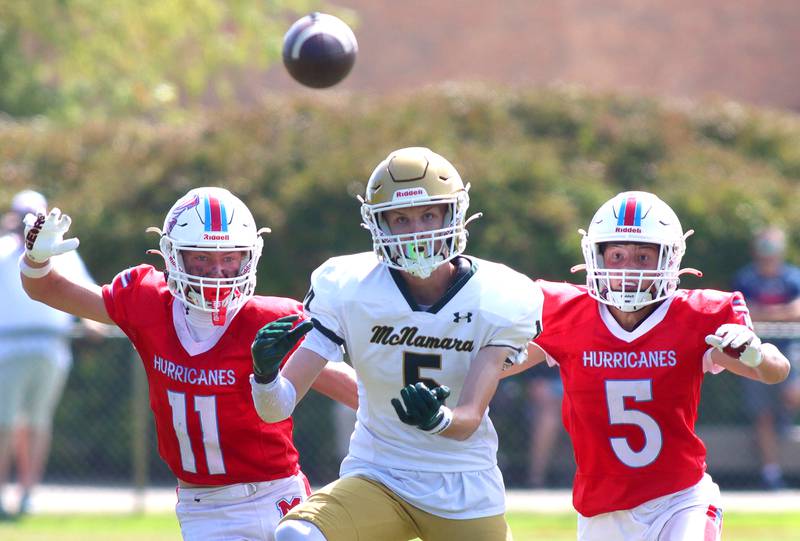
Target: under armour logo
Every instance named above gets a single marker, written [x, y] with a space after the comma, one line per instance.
[458, 317]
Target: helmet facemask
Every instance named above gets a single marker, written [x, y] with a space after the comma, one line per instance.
[422, 252]
[206, 294]
[634, 218]
[210, 220]
[639, 287]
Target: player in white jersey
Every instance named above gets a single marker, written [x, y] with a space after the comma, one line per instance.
[425, 328]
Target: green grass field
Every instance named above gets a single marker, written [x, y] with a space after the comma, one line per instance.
[526, 527]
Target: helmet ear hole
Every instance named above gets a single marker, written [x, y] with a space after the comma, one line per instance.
[448, 215]
[383, 224]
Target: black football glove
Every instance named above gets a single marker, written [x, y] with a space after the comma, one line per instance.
[423, 406]
[273, 341]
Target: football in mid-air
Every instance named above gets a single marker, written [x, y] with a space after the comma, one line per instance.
[319, 50]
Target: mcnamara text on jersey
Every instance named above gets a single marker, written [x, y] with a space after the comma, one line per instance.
[384, 334]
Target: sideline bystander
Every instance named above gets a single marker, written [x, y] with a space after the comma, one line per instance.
[772, 290]
[35, 356]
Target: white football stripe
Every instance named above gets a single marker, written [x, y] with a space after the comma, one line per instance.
[326, 24]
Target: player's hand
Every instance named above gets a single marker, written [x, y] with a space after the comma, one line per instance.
[737, 341]
[424, 408]
[273, 341]
[44, 235]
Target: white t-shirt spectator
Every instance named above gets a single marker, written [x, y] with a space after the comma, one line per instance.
[28, 326]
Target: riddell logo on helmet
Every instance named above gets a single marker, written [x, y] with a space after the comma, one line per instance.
[628, 230]
[215, 236]
[412, 192]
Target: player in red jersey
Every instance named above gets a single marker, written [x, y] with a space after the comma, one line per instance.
[192, 326]
[632, 350]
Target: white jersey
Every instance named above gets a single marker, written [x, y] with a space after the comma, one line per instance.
[29, 327]
[360, 305]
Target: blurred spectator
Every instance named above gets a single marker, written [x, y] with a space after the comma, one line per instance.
[35, 357]
[544, 395]
[772, 290]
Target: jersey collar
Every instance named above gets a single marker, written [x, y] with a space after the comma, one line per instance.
[211, 334]
[651, 321]
[465, 269]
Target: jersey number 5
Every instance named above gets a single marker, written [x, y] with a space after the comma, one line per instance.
[640, 391]
[206, 408]
[414, 362]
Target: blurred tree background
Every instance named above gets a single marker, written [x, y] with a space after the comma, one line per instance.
[115, 109]
[540, 162]
[73, 59]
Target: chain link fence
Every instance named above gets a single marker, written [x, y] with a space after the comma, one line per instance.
[104, 435]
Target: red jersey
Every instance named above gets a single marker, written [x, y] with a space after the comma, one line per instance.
[208, 430]
[630, 398]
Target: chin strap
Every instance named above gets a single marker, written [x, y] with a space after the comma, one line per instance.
[629, 302]
[199, 318]
[218, 317]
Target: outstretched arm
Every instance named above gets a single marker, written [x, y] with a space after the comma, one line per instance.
[44, 239]
[774, 367]
[61, 293]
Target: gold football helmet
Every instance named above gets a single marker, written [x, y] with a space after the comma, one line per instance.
[412, 177]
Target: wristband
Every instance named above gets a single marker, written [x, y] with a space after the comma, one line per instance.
[751, 356]
[274, 401]
[441, 426]
[34, 272]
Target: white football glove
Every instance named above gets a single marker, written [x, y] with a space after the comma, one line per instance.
[44, 236]
[737, 341]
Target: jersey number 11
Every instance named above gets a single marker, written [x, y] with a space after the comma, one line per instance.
[206, 408]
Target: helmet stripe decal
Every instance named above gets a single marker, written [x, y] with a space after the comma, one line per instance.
[216, 219]
[223, 215]
[630, 213]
